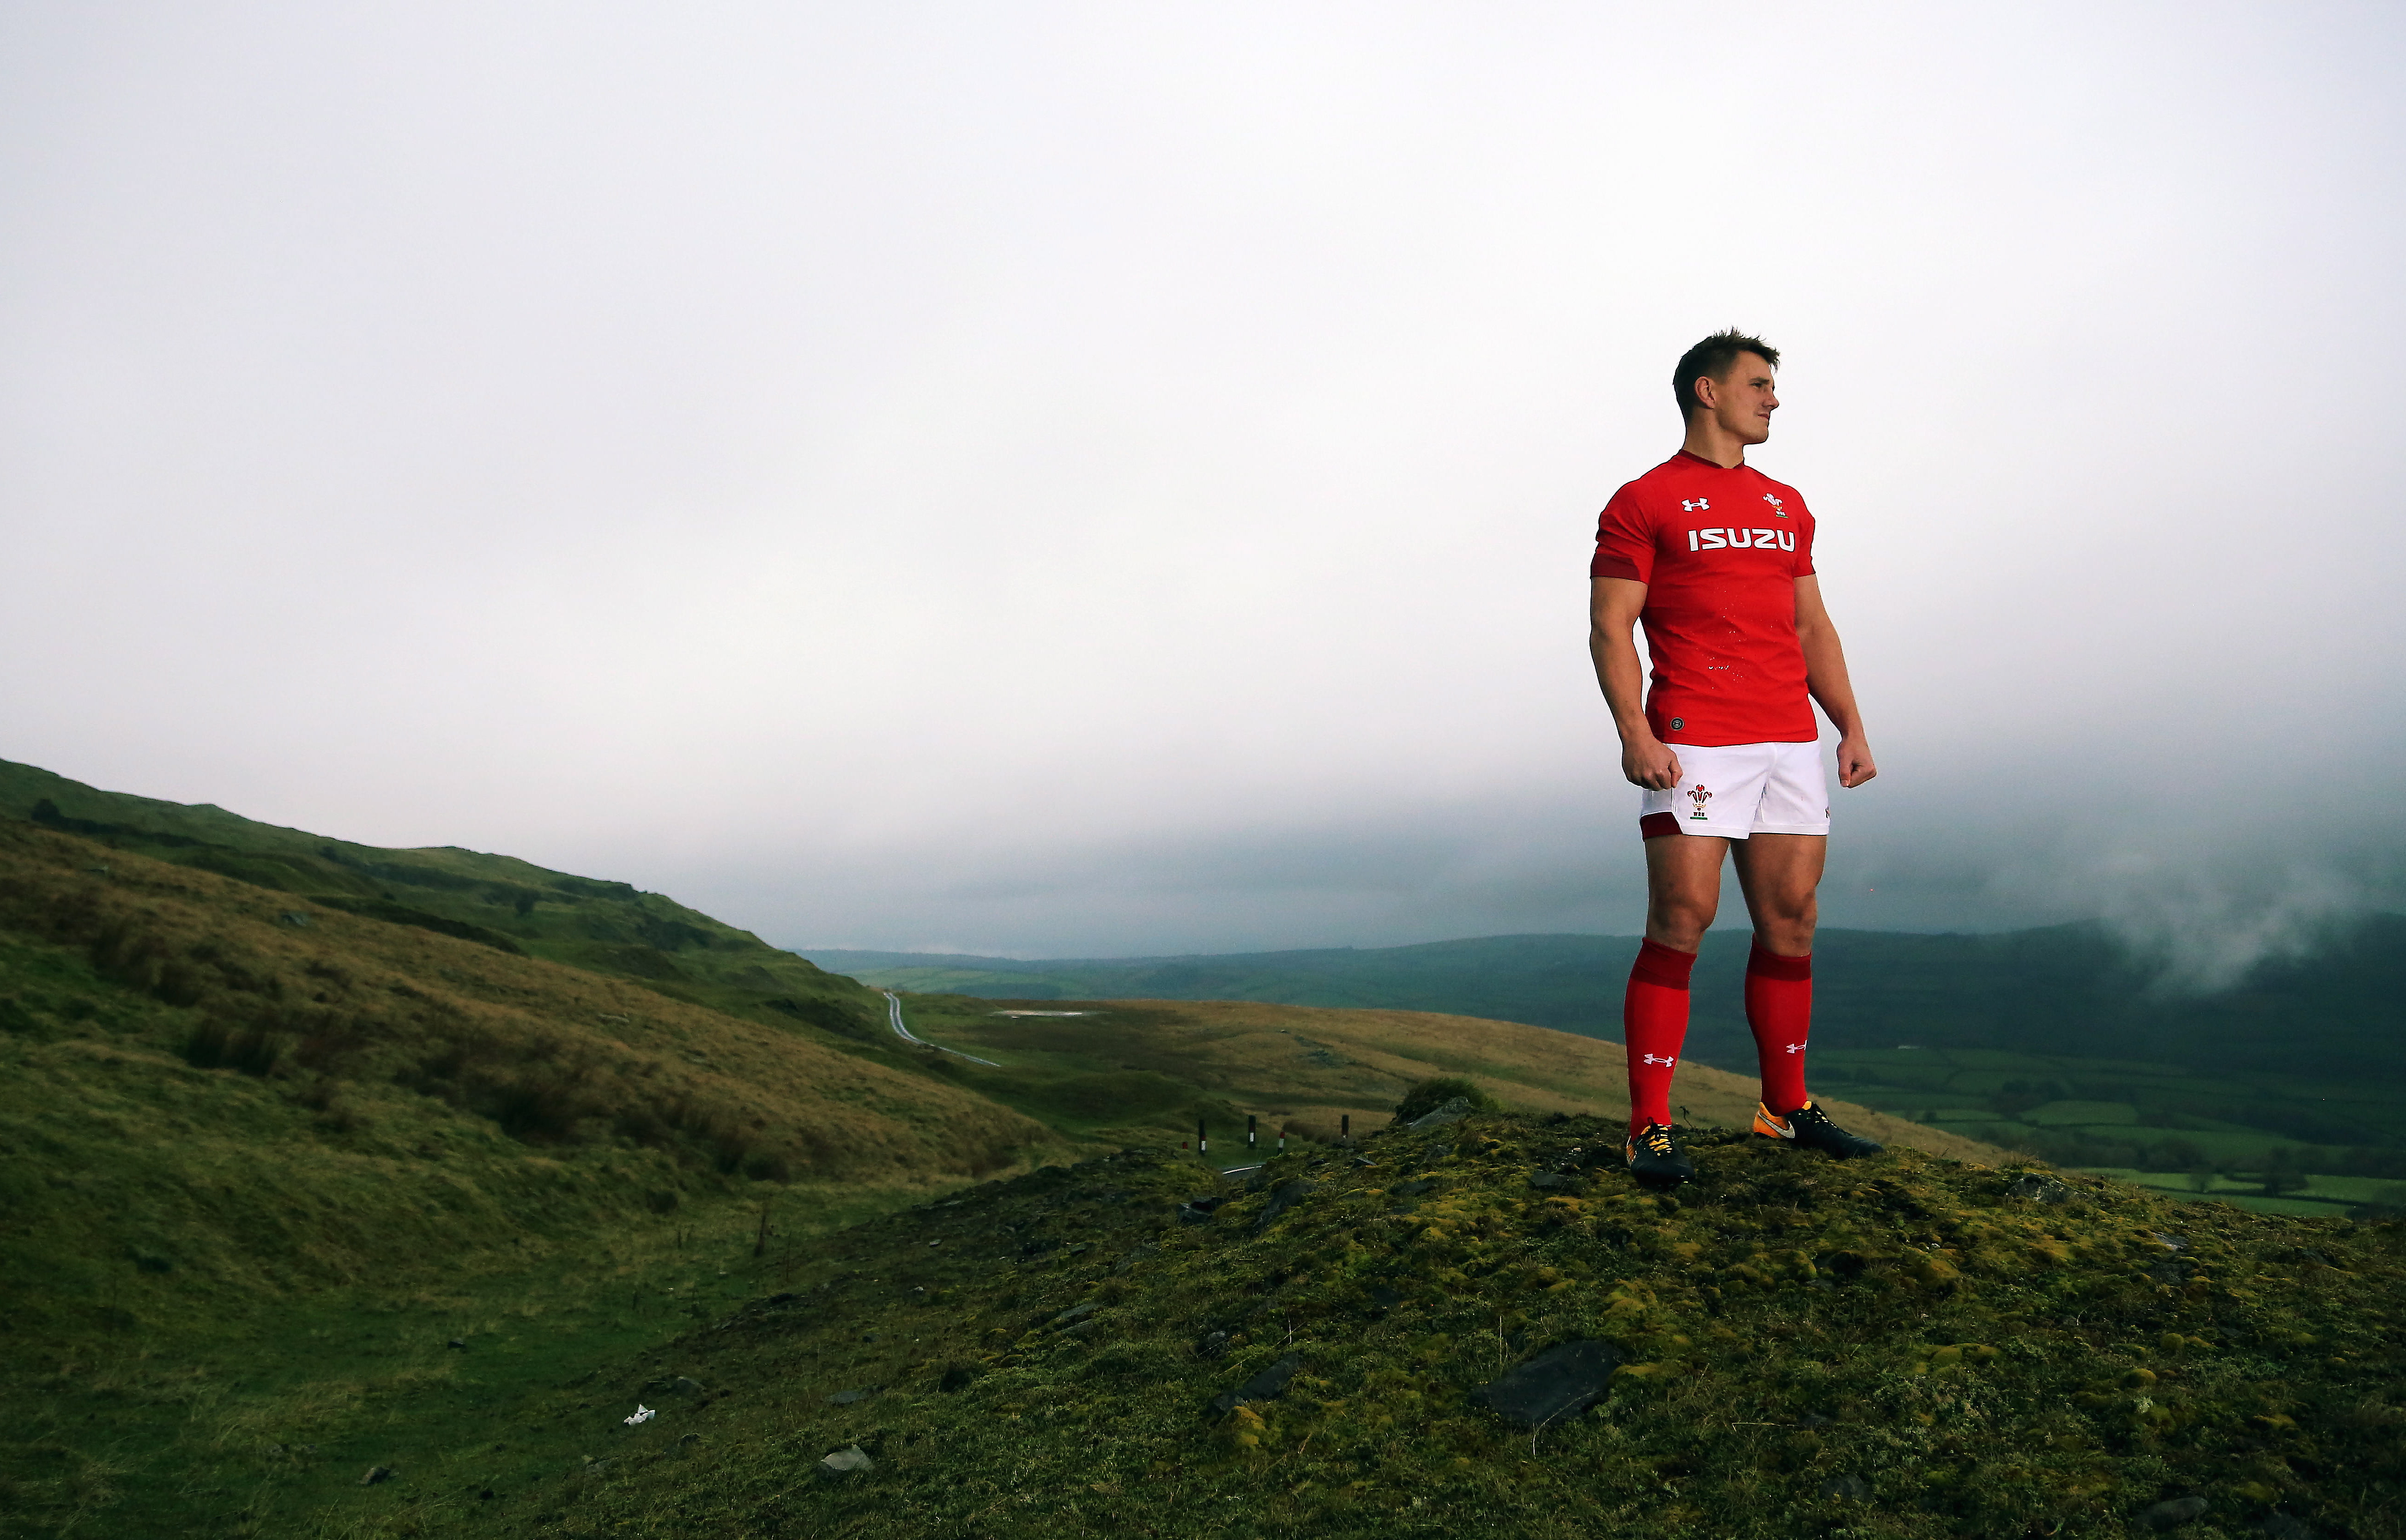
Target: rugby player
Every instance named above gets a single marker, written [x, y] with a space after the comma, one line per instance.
[1716, 560]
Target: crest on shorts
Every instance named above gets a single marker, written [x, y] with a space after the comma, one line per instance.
[1698, 796]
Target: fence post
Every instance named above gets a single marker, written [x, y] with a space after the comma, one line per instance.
[1202, 1138]
[1249, 1133]
[1345, 1128]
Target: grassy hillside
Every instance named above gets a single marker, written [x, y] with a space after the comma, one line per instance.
[500, 902]
[260, 1159]
[1142, 1072]
[1903, 1347]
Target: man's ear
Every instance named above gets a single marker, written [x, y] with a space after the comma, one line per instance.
[1708, 391]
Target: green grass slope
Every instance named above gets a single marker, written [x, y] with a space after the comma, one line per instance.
[499, 901]
[257, 1173]
[1904, 1346]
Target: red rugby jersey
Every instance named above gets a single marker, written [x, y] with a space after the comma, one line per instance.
[1719, 552]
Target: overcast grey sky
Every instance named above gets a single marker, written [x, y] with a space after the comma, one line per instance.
[1087, 479]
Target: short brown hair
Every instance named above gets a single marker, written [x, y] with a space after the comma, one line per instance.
[1711, 360]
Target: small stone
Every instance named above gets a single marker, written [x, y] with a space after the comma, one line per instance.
[1076, 1312]
[1848, 1488]
[1554, 1181]
[2038, 1188]
[378, 1474]
[457, 1344]
[844, 1462]
[1560, 1382]
[294, 918]
[1453, 1111]
[1269, 1385]
[682, 1386]
[1212, 1344]
[1286, 1198]
[2174, 1514]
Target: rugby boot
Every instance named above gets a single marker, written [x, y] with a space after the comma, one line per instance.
[1811, 1128]
[1655, 1157]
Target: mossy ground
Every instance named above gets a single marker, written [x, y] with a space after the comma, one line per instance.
[1899, 1347]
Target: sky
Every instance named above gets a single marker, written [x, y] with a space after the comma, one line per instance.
[1089, 480]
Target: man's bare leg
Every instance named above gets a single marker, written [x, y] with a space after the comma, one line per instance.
[1780, 875]
[1683, 888]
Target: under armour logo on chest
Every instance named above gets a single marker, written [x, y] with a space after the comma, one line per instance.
[1692, 506]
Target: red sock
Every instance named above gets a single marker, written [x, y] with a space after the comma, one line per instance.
[1654, 1023]
[1780, 1009]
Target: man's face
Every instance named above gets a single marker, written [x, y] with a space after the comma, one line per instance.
[1743, 400]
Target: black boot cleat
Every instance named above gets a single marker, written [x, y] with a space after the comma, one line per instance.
[1655, 1157]
[1811, 1127]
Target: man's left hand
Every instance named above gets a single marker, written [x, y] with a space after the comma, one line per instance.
[1855, 765]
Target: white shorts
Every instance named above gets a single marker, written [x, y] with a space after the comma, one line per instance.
[1739, 789]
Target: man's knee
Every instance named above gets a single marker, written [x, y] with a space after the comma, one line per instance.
[1785, 929]
[1679, 920]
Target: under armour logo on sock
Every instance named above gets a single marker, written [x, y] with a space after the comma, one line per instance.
[1666, 1060]
[1796, 1048]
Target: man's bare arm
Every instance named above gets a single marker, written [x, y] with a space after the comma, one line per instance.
[1825, 675]
[1612, 608]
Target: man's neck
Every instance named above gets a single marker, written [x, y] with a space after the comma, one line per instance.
[1708, 440]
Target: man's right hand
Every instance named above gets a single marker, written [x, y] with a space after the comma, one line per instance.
[1650, 763]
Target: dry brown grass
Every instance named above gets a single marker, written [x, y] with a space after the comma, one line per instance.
[1275, 1060]
[551, 1053]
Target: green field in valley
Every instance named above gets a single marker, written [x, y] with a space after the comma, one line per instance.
[2274, 1094]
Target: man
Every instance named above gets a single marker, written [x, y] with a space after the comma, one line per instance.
[1716, 559]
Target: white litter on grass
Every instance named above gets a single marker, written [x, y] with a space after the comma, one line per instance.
[643, 1414]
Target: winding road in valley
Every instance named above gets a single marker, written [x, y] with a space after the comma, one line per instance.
[894, 1012]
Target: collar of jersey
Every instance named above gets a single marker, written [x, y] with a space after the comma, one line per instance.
[1709, 465]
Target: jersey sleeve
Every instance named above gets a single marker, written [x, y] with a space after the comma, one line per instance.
[1803, 561]
[1624, 541]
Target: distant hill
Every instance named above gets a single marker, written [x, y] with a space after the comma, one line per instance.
[2061, 990]
[2002, 1028]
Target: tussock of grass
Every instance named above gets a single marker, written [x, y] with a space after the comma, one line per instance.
[1902, 1347]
